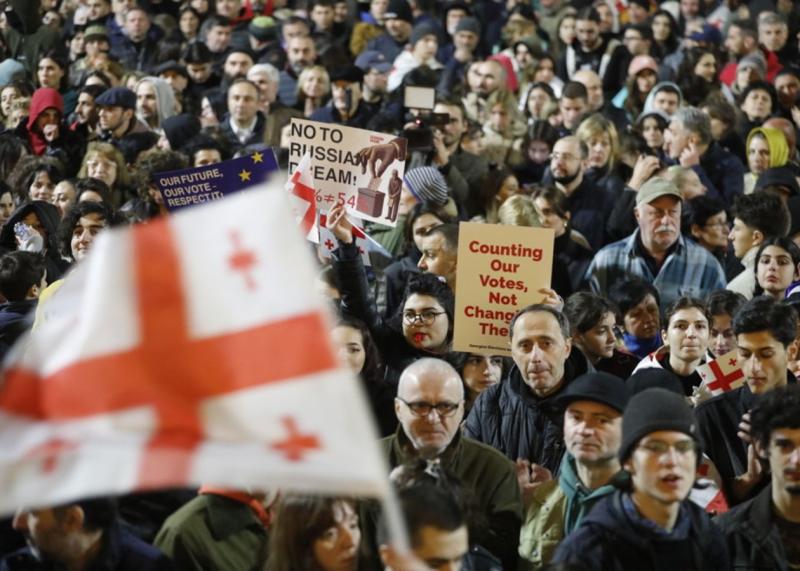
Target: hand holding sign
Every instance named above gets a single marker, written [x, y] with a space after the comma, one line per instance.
[339, 225]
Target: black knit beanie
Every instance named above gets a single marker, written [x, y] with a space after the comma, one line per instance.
[651, 411]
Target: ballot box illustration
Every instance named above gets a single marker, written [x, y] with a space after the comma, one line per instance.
[370, 199]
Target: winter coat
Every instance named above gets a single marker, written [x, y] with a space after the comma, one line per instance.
[16, 318]
[612, 539]
[120, 551]
[557, 508]
[753, 539]
[491, 479]
[508, 417]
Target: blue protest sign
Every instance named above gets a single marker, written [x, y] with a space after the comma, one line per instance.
[198, 185]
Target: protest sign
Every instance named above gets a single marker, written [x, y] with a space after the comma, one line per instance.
[207, 183]
[363, 169]
[500, 270]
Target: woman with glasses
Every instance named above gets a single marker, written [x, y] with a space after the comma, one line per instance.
[422, 327]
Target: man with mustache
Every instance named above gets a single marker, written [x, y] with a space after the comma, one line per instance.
[763, 532]
[657, 252]
[648, 523]
[764, 329]
[594, 403]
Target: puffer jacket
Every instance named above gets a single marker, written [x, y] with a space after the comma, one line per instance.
[509, 418]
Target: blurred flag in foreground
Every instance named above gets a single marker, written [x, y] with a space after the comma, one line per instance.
[188, 350]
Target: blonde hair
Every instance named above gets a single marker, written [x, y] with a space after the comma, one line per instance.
[110, 153]
[518, 210]
[301, 79]
[596, 125]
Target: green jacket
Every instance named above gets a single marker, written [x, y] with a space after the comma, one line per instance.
[214, 533]
[557, 507]
[488, 474]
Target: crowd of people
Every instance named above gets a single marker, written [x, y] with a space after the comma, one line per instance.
[658, 140]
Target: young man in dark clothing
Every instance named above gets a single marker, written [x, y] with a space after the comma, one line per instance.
[650, 524]
[764, 533]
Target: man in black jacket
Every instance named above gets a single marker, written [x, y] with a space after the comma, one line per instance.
[519, 416]
[764, 329]
[764, 533]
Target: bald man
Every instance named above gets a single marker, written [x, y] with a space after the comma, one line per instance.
[597, 101]
[430, 408]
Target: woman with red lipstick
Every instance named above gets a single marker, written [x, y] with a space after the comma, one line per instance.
[423, 327]
[777, 266]
[316, 534]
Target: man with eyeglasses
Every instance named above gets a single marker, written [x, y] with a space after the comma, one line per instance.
[430, 408]
[589, 205]
[764, 329]
[764, 533]
[649, 523]
[657, 252]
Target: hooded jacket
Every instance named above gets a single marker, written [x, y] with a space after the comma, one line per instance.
[613, 538]
[651, 97]
[508, 417]
[68, 147]
[49, 217]
[778, 152]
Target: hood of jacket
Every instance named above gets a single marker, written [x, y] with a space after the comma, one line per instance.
[580, 499]
[42, 99]
[48, 215]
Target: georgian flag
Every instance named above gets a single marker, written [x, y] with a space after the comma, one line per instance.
[723, 374]
[190, 350]
[300, 186]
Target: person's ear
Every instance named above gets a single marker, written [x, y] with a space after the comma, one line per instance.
[758, 237]
[695, 230]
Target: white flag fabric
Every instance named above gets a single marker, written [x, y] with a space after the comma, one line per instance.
[304, 198]
[191, 350]
[723, 374]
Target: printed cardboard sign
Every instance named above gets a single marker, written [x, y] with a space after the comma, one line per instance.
[500, 270]
[363, 169]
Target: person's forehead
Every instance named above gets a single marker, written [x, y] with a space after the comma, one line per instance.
[785, 433]
[432, 241]
[691, 314]
[536, 321]
[664, 202]
[775, 251]
[90, 220]
[242, 88]
[755, 340]
[566, 145]
[434, 385]
[435, 543]
[668, 436]
[418, 301]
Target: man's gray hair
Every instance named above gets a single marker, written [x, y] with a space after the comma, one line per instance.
[694, 120]
[272, 72]
[772, 18]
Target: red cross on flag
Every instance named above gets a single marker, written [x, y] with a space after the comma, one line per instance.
[304, 199]
[327, 241]
[185, 351]
[723, 374]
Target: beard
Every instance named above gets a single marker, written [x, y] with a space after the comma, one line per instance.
[566, 180]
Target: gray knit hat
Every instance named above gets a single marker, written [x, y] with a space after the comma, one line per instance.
[427, 185]
[420, 31]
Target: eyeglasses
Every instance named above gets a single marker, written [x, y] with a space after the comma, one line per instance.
[658, 447]
[426, 317]
[566, 156]
[423, 409]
